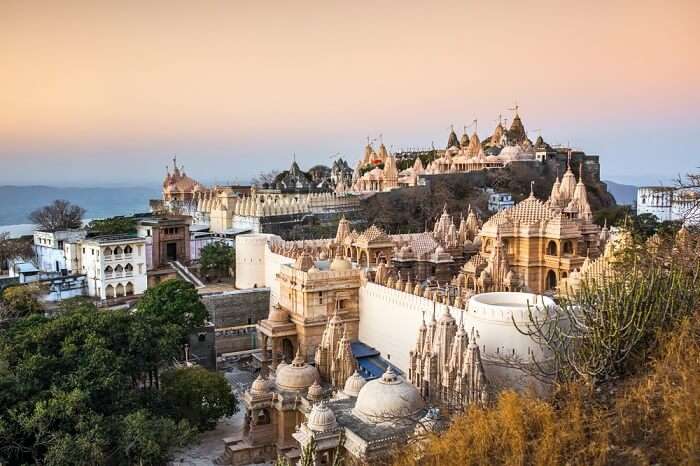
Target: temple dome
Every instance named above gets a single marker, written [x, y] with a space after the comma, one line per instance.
[340, 263]
[321, 418]
[277, 314]
[296, 376]
[354, 384]
[387, 399]
[315, 391]
[260, 386]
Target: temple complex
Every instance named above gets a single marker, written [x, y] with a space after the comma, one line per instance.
[333, 362]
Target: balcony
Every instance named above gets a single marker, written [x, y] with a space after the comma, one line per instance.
[118, 257]
[128, 256]
[108, 257]
[128, 274]
[108, 275]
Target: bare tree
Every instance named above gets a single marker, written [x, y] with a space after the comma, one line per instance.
[265, 178]
[615, 319]
[688, 192]
[14, 248]
[60, 215]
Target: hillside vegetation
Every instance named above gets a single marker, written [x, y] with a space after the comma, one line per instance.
[644, 411]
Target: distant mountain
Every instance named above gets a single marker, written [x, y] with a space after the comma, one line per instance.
[17, 202]
[625, 194]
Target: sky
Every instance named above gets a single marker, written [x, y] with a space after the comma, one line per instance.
[106, 93]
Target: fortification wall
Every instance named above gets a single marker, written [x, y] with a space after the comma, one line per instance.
[239, 307]
[390, 319]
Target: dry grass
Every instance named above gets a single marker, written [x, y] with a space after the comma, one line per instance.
[650, 418]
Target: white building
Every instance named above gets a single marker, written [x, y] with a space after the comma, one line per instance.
[49, 247]
[666, 203]
[500, 201]
[115, 265]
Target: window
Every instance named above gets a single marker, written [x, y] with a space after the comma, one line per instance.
[320, 297]
[202, 336]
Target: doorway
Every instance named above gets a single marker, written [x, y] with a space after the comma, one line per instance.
[171, 251]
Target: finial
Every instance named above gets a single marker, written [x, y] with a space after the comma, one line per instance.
[568, 159]
[476, 125]
[532, 188]
[580, 172]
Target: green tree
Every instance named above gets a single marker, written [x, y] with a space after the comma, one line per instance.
[217, 259]
[19, 301]
[112, 226]
[145, 438]
[175, 302]
[197, 395]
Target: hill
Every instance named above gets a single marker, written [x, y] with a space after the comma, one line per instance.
[625, 194]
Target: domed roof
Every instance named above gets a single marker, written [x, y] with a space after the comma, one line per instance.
[321, 418]
[296, 376]
[354, 384]
[277, 314]
[340, 263]
[260, 386]
[315, 391]
[387, 398]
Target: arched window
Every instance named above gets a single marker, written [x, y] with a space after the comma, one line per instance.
[118, 250]
[109, 291]
[108, 251]
[551, 280]
[568, 247]
[118, 269]
[129, 268]
[109, 269]
[487, 245]
[552, 248]
[128, 250]
[129, 288]
[120, 290]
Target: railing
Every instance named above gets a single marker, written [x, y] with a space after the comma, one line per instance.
[108, 275]
[128, 274]
[128, 256]
[118, 257]
[108, 257]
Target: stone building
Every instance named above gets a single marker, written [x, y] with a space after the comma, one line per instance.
[535, 244]
[310, 292]
[446, 364]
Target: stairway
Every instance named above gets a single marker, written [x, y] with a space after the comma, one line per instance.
[184, 273]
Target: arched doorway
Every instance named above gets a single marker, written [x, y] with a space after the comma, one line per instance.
[129, 288]
[287, 350]
[120, 290]
[109, 291]
[551, 280]
[568, 248]
[551, 249]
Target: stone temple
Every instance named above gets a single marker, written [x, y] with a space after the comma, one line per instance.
[373, 339]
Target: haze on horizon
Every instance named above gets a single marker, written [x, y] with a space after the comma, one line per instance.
[98, 93]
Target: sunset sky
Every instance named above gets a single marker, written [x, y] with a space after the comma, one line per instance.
[98, 92]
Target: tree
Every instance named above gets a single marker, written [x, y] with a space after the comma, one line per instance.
[197, 395]
[145, 438]
[82, 387]
[688, 190]
[14, 248]
[20, 301]
[112, 226]
[614, 319]
[174, 302]
[60, 215]
[263, 178]
[216, 259]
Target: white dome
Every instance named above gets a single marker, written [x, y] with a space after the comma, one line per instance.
[354, 384]
[260, 386]
[387, 398]
[296, 376]
[340, 263]
[321, 418]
